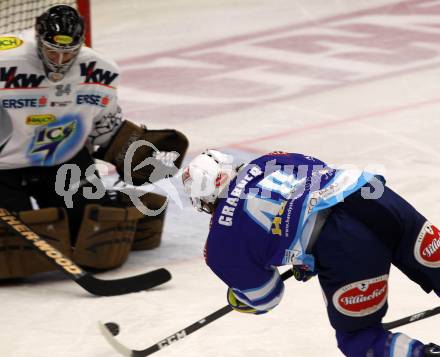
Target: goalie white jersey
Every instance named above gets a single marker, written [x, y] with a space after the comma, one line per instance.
[44, 123]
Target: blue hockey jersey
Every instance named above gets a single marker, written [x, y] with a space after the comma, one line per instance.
[265, 219]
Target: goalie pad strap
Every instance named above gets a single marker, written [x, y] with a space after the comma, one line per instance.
[111, 214]
[45, 215]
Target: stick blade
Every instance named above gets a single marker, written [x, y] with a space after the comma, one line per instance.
[119, 347]
[124, 285]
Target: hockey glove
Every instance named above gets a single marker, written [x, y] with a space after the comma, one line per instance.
[239, 306]
[432, 350]
[301, 273]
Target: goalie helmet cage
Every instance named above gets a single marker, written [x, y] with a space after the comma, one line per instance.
[18, 15]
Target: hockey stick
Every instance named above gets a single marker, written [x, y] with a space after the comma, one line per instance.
[106, 329]
[125, 351]
[412, 318]
[72, 271]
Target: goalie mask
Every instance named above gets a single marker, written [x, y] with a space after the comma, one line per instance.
[206, 176]
[59, 34]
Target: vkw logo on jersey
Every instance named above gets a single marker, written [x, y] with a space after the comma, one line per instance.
[427, 247]
[96, 75]
[363, 297]
[13, 79]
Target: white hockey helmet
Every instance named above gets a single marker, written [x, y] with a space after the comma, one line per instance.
[206, 176]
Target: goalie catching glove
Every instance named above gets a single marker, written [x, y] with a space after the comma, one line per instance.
[239, 306]
[158, 153]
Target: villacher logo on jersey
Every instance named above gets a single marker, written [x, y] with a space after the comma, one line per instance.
[362, 298]
[427, 246]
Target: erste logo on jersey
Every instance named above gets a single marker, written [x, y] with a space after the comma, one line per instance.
[16, 80]
[363, 297]
[96, 75]
[427, 246]
[20, 102]
[93, 98]
[9, 43]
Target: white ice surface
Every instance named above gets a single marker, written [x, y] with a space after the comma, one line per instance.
[384, 114]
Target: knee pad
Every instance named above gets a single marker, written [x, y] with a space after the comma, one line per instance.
[18, 258]
[105, 237]
[149, 228]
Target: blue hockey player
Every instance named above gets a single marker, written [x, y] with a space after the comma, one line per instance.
[345, 226]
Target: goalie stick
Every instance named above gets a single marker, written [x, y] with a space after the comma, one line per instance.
[80, 276]
[107, 328]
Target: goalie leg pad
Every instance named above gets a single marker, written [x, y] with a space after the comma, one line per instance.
[105, 236]
[18, 258]
[149, 228]
[171, 146]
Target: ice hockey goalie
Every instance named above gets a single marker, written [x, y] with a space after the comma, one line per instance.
[58, 112]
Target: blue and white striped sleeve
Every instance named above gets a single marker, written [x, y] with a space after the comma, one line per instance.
[403, 346]
[263, 297]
